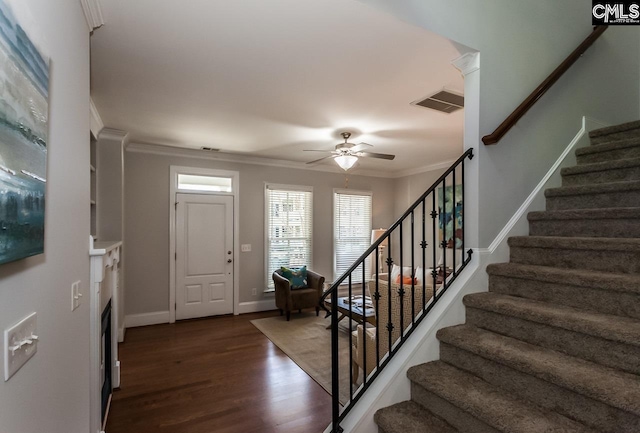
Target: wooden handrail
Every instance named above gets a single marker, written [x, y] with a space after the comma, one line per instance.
[510, 121]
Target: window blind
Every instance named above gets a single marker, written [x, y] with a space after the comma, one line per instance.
[289, 228]
[352, 231]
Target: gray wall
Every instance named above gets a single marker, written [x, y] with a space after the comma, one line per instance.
[51, 392]
[147, 221]
[520, 43]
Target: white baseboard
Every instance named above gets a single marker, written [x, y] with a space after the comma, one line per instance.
[144, 319]
[588, 125]
[256, 306]
[121, 331]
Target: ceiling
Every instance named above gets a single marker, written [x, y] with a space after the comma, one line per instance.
[269, 78]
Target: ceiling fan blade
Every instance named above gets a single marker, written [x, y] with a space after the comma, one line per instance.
[316, 150]
[360, 147]
[321, 159]
[376, 155]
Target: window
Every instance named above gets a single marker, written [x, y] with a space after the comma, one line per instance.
[289, 227]
[351, 231]
[194, 182]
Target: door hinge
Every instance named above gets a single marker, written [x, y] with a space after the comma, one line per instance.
[176, 256]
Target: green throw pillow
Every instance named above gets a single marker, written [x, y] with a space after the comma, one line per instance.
[297, 276]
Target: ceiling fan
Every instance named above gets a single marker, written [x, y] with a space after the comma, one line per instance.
[346, 154]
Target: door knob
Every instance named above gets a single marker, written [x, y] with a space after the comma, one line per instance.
[229, 261]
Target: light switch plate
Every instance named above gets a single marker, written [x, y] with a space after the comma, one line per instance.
[75, 295]
[245, 248]
[20, 344]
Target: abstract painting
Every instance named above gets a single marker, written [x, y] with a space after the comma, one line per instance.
[24, 108]
[450, 215]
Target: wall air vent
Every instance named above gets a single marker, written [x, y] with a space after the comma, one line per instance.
[444, 101]
[209, 149]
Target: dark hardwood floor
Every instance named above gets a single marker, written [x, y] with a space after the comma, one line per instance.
[213, 375]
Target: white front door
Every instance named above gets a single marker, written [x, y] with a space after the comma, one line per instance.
[204, 255]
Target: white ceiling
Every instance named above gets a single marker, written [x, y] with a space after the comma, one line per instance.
[269, 78]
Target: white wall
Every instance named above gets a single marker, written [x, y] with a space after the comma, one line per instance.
[147, 221]
[520, 44]
[50, 393]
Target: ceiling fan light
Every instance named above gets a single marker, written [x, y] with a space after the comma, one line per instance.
[346, 161]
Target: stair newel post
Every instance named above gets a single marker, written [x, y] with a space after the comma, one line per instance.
[335, 365]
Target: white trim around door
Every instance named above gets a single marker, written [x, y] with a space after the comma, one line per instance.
[235, 193]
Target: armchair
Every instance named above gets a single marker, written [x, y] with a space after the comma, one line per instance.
[288, 299]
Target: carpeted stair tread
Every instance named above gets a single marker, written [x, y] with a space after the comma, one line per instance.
[410, 417]
[586, 214]
[576, 243]
[612, 387]
[598, 222]
[577, 277]
[615, 328]
[600, 166]
[615, 129]
[595, 188]
[488, 403]
[608, 146]
[610, 168]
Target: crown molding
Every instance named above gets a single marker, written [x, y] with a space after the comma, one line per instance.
[92, 13]
[162, 150]
[156, 149]
[114, 134]
[467, 63]
[96, 121]
[439, 166]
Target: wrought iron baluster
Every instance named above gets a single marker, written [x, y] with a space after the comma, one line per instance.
[434, 271]
[464, 205]
[444, 235]
[364, 325]
[401, 292]
[350, 338]
[389, 323]
[377, 312]
[423, 244]
[335, 364]
[453, 216]
[413, 267]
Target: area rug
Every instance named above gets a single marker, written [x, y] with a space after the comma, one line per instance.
[307, 342]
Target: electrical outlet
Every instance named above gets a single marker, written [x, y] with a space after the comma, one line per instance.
[75, 295]
[245, 248]
[20, 344]
[254, 291]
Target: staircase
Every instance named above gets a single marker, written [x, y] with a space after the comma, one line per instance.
[554, 346]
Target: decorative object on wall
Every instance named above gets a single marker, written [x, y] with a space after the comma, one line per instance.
[450, 210]
[24, 111]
